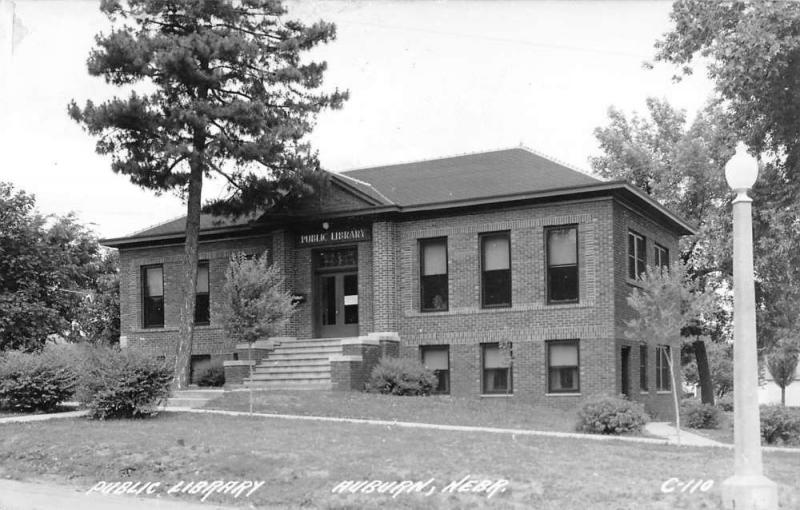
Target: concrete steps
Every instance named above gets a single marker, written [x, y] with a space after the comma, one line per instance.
[296, 364]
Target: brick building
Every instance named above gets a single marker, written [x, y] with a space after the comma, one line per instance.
[504, 271]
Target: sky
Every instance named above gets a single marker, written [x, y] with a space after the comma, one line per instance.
[426, 79]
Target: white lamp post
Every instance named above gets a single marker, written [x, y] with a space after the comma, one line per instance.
[748, 488]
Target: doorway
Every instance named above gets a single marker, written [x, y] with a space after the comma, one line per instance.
[336, 289]
[625, 362]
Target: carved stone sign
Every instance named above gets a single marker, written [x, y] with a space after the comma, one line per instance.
[337, 236]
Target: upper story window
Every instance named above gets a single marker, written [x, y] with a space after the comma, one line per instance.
[660, 257]
[495, 269]
[636, 255]
[153, 296]
[433, 275]
[562, 264]
[202, 299]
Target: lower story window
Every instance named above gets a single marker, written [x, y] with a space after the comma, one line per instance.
[437, 358]
[563, 367]
[496, 368]
[663, 373]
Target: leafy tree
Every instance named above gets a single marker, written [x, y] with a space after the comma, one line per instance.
[720, 360]
[666, 302]
[782, 364]
[48, 267]
[224, 93]
[681, 165]
[254, 303]
[750, 49]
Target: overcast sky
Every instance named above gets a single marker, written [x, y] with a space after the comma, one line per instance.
[426, 79]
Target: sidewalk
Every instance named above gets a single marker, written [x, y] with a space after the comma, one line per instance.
[670, 433]
[45, 496]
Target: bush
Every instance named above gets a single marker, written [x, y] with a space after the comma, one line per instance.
[34, 381]
[697, 415]
[122, 383]
[725, 403]
[401, 376]
[779, 425]
[214, 376]
[611, 415]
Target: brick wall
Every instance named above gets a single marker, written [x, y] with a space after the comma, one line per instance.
[162, 341]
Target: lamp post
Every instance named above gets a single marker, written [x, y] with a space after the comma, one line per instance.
[748, 488]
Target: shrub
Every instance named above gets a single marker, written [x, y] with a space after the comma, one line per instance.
[214, 376]
[779, 425]
[122, 383]
[34, 381]
[604, 414]
[401, 376]
[725, 403]
[697, 415]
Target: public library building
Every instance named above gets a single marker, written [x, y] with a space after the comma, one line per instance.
[505, 272]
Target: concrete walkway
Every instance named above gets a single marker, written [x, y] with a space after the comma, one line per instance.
[46, 496]
[670, 433]
[41, 417]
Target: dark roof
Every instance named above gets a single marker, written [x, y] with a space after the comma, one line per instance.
[457, 181]
[483, 175]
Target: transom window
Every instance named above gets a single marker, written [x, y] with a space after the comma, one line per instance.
[437, 358]
[636, 255]
[496, 368]
[153, 296]
[562, 264]
[433, 275]
[201, 305]
[495, 270]
[342, 257]
[563, 366]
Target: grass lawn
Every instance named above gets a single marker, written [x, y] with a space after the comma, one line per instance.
[301, 462]
[444, 410]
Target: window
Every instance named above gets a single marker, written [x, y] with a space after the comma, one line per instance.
[563, 375]
[495, 270]
[437, 358]
[201, 304]
[643, 367]
[153, 296]
[562, 264]
[663, 374]
[496, 369]
[636, 260]
[661, 257]
[433, 275]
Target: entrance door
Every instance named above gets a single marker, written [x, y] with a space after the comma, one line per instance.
[336, 288]
[625, 369]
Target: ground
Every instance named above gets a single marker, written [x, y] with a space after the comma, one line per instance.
[302, 461]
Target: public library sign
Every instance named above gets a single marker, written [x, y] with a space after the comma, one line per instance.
[345, 235]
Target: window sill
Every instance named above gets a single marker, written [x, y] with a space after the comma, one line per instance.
[496, 395]
[663, 392]
[644, 392]
[562, 394]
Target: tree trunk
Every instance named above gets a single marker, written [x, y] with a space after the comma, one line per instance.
[703, 372]
[183, 355]
[783, 396]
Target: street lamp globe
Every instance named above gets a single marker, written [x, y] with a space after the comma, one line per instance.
[741, 170]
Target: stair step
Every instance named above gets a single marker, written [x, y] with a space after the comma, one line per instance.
[291, 376]
[307, 349]
[302, 362]
[309, 356]
[289, 385]
[323, 342]
[313, 369]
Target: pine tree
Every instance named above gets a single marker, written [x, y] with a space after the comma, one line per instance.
[221, 91]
